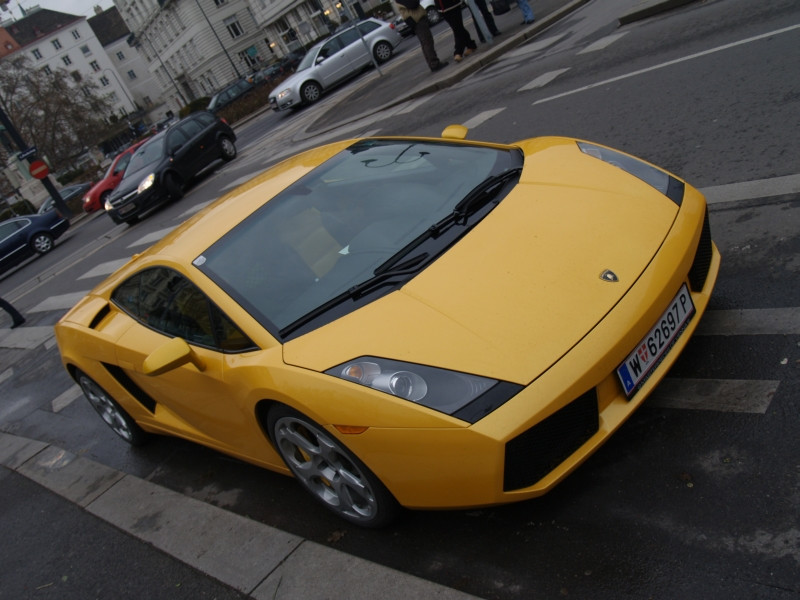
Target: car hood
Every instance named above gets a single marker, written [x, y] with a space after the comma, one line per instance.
[132, 180]
[520, 289]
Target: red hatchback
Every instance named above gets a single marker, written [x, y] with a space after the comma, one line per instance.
[96, 197]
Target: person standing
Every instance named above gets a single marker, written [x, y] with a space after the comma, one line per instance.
[13, 313]
[416, 17]
[464, 44]
[488, 18]
[527, 12]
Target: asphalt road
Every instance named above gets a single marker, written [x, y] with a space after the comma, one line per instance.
[697, 495]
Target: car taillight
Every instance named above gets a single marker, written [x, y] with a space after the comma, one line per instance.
[223, 120]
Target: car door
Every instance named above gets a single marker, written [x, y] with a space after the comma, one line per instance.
[332, 64]
[193, 398]
[180, 152]
[13, 247]
[354, 50]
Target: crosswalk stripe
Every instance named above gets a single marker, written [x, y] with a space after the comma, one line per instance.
[65, 399]
[747, 190]
[722, 395]
[603, 43]
[482, 118]
[535, 46]
[542, 80]
[753, 321]
[151, 238]
[104, 268]
[7, 374]
[59, 302]
[412, 106]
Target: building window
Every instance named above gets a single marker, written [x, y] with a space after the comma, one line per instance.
[104, 81]
[120, 56]
[76, 34]
[36, 53]
[148, 101]
[67, 60]
[85, 50]
[76, 75]
[247, 59]
[95, 66]
[233, 27]
[131, 74]
[56, 44]
[220, 2]
[46, 70]
[87, 91]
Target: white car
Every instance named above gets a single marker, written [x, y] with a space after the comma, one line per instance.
[335, 59]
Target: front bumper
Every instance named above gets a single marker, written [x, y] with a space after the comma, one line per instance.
[134, 204]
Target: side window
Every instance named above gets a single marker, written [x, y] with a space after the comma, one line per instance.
[330, 48]
[367, 27]
[122, 163]
[175, 140]
[171, 304]
[348, 37]
[6, 229]
[204, 118]
[191, 128]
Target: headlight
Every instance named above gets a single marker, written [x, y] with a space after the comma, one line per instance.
[282, 94]
[107, 205]
[146, 183]
[660, 180]
[449, 392]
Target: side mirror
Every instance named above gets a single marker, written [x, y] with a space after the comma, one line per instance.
[169, 356]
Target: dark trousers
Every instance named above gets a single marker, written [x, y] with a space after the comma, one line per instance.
[487, 16]
[460, 34]
[422, 29]
[13, 313]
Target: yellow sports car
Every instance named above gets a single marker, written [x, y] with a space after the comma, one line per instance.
[413, 322]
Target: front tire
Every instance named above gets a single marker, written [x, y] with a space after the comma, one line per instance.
[227, 149]
[174, 186]
[112, 413]
[310, 92]
[42, 243]
[382, 51]
[329, 471]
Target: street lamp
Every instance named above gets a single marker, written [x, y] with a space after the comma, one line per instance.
[221, 45]
[132, 41]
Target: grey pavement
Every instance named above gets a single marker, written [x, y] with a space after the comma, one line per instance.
[74, 528]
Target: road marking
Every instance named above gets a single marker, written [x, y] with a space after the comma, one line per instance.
[151, 238]
[413, 105]
[230, 186]
[482, 118]
[722, 395]
[754, 321]
[747, 190]
[67, 398]
[7, 374]
[59, 302]
[542, 80]
[535, 46]
[603, 43]
[26, 338]
[669, 63]
[104, 268]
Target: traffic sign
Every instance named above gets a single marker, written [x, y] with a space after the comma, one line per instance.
[26, 153]
[39, 169]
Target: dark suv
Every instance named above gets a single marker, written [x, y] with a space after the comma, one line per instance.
[162, 166]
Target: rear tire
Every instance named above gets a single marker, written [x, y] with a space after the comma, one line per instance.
[382, 51]
[42, 243]
[227, 149]
[112, 413]
[329, 471]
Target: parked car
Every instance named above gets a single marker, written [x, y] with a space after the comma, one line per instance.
[335, 59]
[71, 196]
[406, 321]
[96, 197]
[228, 94]
[160, 169]
[25, 236]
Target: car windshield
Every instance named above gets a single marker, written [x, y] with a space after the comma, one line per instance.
[333, 228]
[151, 152]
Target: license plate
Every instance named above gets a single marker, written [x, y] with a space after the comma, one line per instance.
[126, 208]
[635, 369]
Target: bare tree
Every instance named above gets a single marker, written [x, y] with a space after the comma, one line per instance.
[58, 112]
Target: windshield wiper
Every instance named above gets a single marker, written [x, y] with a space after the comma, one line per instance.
[388, 277]
[478, 197]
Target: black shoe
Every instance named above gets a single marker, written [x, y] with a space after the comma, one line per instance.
[442, 63]
[528, 22]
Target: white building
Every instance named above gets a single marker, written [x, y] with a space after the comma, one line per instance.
[194, 47]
